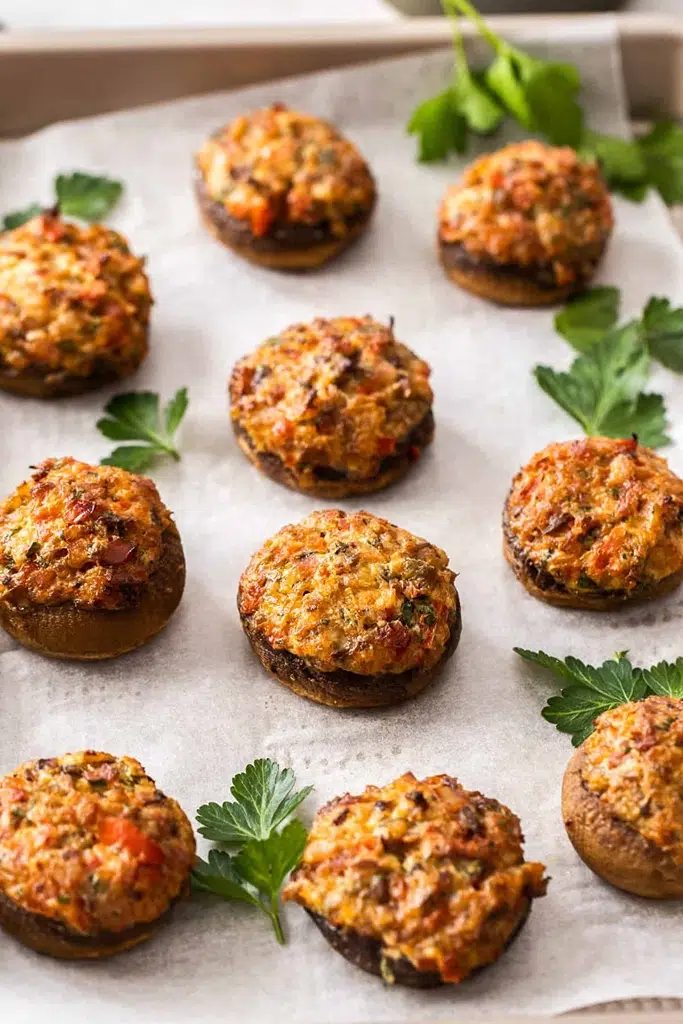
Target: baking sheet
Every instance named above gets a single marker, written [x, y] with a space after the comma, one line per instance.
[195, 706]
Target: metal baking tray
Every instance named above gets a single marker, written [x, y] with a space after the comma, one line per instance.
[47, 77]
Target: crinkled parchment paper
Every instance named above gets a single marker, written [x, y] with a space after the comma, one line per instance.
[195, 705]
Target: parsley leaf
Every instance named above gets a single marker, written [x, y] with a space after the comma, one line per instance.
[662, 150]
[263, 800]
[646, 419]
[554, 110]
[665, 679]
[81, 195]
[440, 128]
[591, 690]
[134, 416]
[86, 196]
[663, 328]
[621, 161]
[19, 217]
[585, 320]
[474, 102]
[541, 96]
[602, 389]
[265, 863]
[264, 853]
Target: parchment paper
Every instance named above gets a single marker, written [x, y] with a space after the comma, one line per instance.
[195, 706]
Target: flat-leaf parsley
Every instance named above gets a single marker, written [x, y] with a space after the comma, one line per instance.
[594, 690]
[264, 846]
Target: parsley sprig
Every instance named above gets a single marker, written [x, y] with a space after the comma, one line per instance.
[604, 387]
[85, 196]
[541, 96]
[135, 416]
[588, 319]
[263, 846]
[593, 690]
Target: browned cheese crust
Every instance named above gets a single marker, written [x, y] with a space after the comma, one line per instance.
[421, 882]
[622, 802]
[92, 855]
[526, 225]
[91, 563]
[333, 408]
[595, 524]
[350, 610]
[283, 189]
[74, 308]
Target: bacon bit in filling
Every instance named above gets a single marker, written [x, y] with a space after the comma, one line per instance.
[435, 873]
[598, 514]
[338, 394]
[634, 763]
[89, 841]
[351, 592]
[93, 535]
[74, 301]
[533, 206]
[276, 167]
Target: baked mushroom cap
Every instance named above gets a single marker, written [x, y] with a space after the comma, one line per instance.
[421, 882]
[350, 610]
[333, 408]
[595, 523]
[283, 189]
[92, 855]
[91, 563]
[74, 308]
[622, 801]
[526, 225]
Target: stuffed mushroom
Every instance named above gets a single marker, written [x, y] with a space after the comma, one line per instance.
[91, 563]
[622, 801]
[526, 225]
[595, 524]
[420, 882]
[74, 308]
[350, 610]
[283, 189]
[92, 855]
[333, 408]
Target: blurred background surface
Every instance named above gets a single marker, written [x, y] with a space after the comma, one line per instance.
[55, 14]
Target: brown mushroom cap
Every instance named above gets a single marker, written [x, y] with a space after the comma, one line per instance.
[611, 848]
[66, 631]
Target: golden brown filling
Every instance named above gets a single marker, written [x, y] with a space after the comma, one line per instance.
[89, 841]
[88, 534]
[341, 394]
[530, 205]
[351, 591]
[598, 514]
[634, 763]
[278, 167]
[435, 873]
[74, 301]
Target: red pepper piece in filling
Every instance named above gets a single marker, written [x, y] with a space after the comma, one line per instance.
[117, 552]
[122, 832]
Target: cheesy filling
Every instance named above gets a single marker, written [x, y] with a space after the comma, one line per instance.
[598, 514]
[531, 205]
[89, 841]
[277, 167]
[435, 873]
[74, 301]
[88, 534]
[338, 395]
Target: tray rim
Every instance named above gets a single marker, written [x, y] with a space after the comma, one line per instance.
[411, 30]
